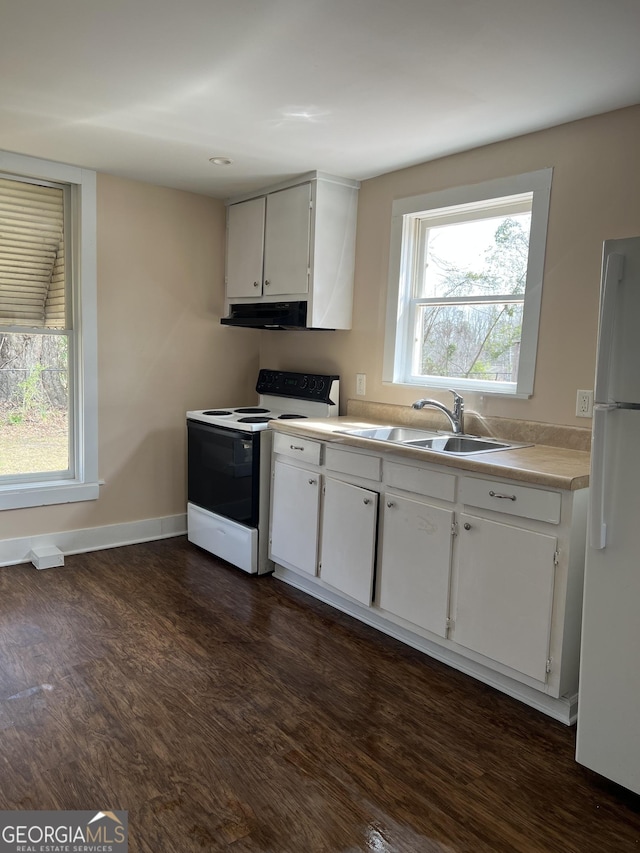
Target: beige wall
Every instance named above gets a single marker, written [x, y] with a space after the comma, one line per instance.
[161, 352]
[595, 195]
[160, 297]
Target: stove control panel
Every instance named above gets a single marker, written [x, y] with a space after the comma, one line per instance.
[302, 386]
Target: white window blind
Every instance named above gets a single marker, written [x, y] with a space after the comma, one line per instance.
[32, 262]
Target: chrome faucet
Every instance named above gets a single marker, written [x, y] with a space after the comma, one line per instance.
[455, 415]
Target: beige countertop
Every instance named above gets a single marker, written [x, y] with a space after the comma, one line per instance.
[540, 464]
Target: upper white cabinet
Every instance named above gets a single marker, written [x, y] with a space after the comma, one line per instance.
[286, 242]
[245, 248]
[295, 242]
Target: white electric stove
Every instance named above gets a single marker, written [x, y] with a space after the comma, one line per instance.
[229, 464]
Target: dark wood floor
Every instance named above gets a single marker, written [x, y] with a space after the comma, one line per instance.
[226, 712]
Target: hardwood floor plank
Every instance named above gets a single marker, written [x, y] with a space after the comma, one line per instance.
[231, 713]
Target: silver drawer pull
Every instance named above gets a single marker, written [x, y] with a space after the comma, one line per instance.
[295, 447]
[390, 504]
[366, 501]
[312, 482]
[256, 284]
[267, 282]
[493, 494]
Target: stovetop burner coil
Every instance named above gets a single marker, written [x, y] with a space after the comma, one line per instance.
[251, 410]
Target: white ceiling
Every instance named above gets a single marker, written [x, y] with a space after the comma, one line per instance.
[151, 89]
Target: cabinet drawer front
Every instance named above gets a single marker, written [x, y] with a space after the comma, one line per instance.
[432, 484]
[511, 499]
[297, 448]
[357, 464]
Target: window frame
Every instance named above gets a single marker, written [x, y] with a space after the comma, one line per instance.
[405, 238]
[80, 217]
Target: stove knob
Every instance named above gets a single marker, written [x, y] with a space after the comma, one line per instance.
[312, 384]
[320, 384]
[304, 382]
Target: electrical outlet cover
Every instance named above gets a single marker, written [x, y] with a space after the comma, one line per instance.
[584, 404]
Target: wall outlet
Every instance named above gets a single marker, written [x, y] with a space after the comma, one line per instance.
[361, 384]
[584, 404]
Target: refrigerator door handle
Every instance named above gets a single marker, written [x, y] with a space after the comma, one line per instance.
[613, 272]
[597, 525]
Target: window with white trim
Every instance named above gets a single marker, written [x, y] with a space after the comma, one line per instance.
[465, 286]
[48, 357]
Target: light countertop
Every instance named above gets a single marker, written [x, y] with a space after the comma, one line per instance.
[540, 464]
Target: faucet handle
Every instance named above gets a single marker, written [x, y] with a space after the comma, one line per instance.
[458, 408]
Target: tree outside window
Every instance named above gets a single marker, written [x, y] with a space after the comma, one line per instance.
[465, 286]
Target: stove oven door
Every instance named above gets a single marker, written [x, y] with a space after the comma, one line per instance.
[223, 471]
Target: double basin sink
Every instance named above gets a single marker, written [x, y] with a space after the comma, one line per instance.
[434, 441]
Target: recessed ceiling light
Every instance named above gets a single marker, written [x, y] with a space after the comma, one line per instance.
[221, 161]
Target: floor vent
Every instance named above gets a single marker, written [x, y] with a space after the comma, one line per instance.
[46, 557]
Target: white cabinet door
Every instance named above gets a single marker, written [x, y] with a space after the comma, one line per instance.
[504, 593]
[286, 252]
[245, 247]
[294, 517]
[415, 562]
[349, 518]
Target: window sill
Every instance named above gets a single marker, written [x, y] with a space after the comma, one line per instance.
[22, 495]
[460, 387]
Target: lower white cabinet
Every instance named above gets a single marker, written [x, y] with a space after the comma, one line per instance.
[485, 575]
[295, 505]
[415, 562]
[348, 540]
[504, 594]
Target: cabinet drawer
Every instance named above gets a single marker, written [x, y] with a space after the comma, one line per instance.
[513, 500]
[297, 448]
[357, 464]
[421, 481]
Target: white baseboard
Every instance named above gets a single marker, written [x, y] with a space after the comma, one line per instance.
[14, 551]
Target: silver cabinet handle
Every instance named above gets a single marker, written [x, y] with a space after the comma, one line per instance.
[390, 504]
[256, 284]
[493, 494]
[267, 282]
[312, 482]
[466, 525]
[295, 447]
[366, 501]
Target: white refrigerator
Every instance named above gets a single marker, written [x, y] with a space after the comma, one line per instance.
[608, 734]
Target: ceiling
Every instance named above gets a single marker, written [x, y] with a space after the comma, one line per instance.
[151, 89]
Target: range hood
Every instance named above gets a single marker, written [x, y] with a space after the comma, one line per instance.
[267, 315]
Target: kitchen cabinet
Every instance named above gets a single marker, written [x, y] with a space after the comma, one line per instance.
[505, 583]
[415, 562]
[295, 505]
[268, 244]
[295, 242]
[287, 241]
[485, 575]
[348, 539]
[245, 248]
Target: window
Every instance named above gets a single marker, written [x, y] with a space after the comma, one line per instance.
[48, 429]
[465, 286]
